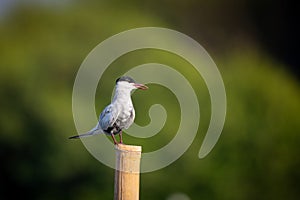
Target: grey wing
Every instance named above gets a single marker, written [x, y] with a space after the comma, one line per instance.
[131, 118]
[108, 117]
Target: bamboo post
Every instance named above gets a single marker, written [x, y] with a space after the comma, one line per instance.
[127, 173]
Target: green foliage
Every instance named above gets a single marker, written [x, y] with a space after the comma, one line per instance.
[41, 50]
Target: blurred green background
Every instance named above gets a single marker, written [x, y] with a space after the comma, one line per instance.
[254, 44]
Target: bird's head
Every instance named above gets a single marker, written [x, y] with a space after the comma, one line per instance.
[127, 82]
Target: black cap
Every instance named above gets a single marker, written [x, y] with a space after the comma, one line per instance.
[125, 78]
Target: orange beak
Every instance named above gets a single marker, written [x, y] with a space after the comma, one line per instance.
[140, 86]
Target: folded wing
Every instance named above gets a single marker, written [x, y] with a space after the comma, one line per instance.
[108, 117]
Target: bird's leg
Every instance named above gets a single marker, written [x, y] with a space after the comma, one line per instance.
[114, 139]
[121, 140]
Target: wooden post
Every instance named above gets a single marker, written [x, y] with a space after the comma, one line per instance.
[127, 173]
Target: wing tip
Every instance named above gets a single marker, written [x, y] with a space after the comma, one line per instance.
[74, 137]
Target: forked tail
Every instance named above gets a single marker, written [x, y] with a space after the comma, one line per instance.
[94, 131]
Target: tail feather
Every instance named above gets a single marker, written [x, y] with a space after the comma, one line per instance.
[90, 133]
[80, 136]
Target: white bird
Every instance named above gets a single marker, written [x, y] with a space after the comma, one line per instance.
[119, 114]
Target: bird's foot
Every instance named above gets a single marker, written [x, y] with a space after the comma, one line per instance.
[121, 139]
[114, 139]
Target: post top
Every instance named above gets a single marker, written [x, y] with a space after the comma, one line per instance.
[129, 148]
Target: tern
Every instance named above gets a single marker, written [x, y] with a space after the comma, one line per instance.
[119, 114]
